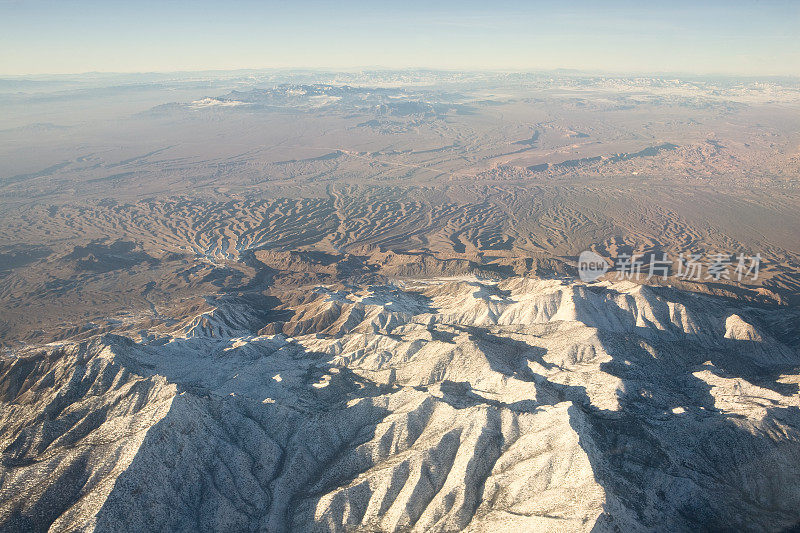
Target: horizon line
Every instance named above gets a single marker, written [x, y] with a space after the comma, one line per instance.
[355, 69]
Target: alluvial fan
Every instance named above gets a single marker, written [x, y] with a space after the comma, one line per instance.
[435, 405]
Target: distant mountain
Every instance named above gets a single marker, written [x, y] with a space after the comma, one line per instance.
[343, 98]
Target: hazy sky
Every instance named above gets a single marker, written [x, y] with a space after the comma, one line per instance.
[757, 37]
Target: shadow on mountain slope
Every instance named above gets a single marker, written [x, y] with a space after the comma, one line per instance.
[671, 458]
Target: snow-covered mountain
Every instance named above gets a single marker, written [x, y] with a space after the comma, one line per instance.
[435, 405]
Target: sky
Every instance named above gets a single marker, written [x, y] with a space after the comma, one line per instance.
[752, 38]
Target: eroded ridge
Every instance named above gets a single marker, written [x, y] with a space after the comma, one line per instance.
[425, 405]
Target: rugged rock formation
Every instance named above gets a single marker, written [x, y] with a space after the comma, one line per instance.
[434, 405]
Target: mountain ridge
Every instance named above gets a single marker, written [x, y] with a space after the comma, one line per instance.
[426, 405]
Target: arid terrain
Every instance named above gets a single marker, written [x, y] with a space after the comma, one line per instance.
[306, 301]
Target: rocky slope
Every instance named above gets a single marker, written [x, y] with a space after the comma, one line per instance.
[437, 405]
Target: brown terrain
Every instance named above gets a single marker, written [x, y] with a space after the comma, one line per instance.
[293, 301]
[122, 218]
